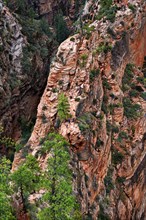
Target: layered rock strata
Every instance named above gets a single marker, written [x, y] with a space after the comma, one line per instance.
[102, 75]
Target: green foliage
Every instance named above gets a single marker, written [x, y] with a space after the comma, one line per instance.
[102, 215]
[6, 212]
[34, 29]
[120, 179]
[26, 179]
[128, 76]
[143, 95]
[85, 121]
[58, 184]
[77, 99]
[27, 175]
[108, 181]
[106, 84]
[131, 110]
[83, 60]
[117, 157]
[132, 7]
[94, 73]
[107, 10]
[122, 135]
[115, 129]
[99, 143]
[88, 30]
[4, 175]
[133, 93]
[63, 107]
[7, 144]
[62, 31]
[108, 126]
[44, 118]
[26, 129]
[104, 48]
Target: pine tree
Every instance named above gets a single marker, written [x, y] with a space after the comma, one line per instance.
[26, 179]
[63, 107]
[59, 196]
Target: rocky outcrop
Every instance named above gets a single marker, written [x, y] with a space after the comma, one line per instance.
[100, 71]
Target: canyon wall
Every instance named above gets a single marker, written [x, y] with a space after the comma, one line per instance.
[101, 71]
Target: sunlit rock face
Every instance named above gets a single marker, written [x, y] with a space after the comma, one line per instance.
[102, 74]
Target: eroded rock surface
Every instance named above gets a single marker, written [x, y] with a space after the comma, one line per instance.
[101, 73]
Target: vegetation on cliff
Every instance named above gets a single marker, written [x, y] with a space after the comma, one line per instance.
[58, 201]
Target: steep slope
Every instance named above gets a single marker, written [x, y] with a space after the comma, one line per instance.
[101, 71]
[23, 74]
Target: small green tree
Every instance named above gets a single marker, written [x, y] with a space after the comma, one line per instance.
[63, 107]
[26, 179]
[61, 203]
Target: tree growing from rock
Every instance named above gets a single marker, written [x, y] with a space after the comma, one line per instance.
[63, 107]
[26, 179]
[61, 203]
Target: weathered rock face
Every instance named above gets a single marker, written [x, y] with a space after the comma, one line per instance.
[20, 86]
[50, 8]
[101, 74]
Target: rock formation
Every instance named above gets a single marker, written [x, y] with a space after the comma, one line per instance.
[101, 70]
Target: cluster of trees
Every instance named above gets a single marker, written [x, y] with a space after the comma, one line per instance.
[58, 202]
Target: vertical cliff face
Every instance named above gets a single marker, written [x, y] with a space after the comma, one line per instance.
[49, 9]
[11, 43]
[23, 70]
[101, 70]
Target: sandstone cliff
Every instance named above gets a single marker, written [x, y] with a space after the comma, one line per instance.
[101, 70]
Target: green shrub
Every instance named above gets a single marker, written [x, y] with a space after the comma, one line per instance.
[72, 39]
[77, 99]
[107, 10]
[108, 126]
[140, 79]
[106, 84]
[104, 48]
[128, 76]
[88, 30]
[115, 129]
[99, 143]
[44, 118]
[108, 181]
[131, 110]
[44, 108]
[83, 58]
[143, 95]
[132, 7]
[122, 135]
[94, 73]
[85, 121]
[120, 179]
[117, 157]
[104, 108]
[133, 93]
